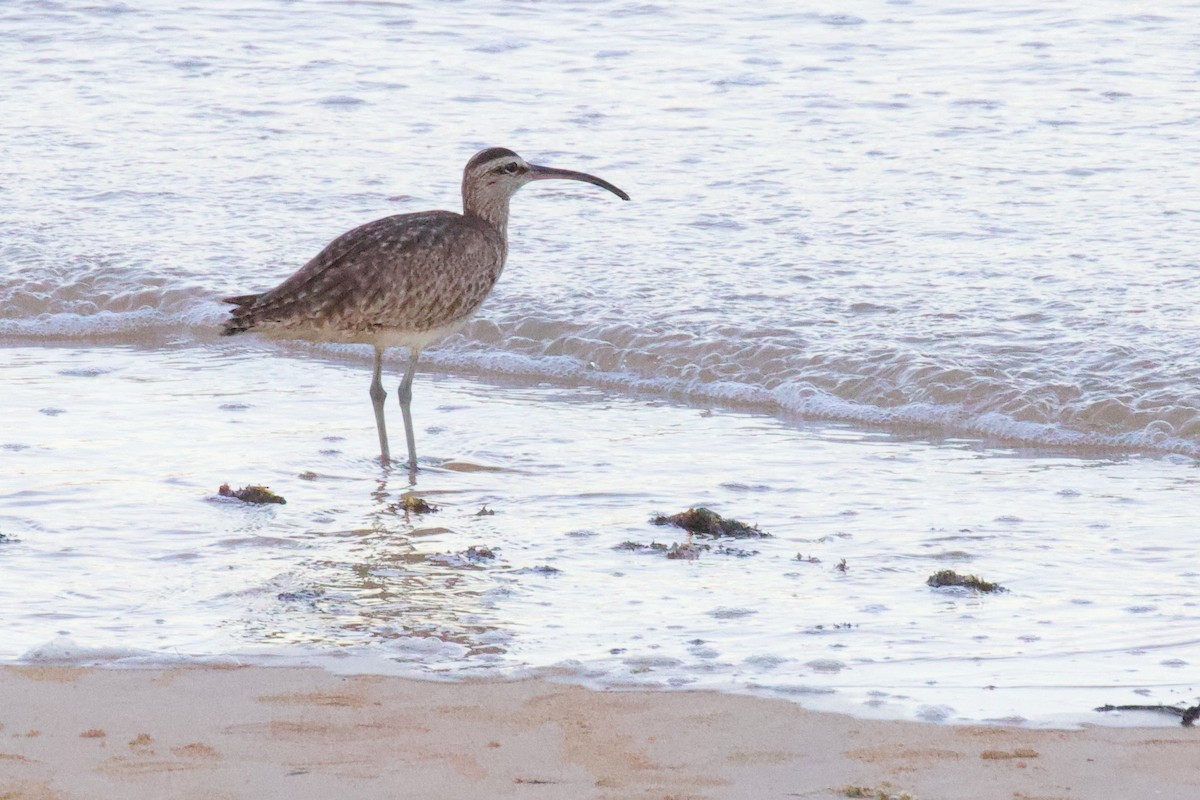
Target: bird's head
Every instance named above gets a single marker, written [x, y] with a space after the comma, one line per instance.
[494, 175]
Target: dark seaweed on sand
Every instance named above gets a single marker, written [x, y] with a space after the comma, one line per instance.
[260, 495]
[1187, 716]
[706, 522]
[874, 794]
[948, 577]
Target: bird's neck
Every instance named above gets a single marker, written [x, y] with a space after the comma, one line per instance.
[491, 209]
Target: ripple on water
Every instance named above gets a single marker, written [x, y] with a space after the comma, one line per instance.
[797, 248]
[725, 612]
[342, 101]
[842, 20]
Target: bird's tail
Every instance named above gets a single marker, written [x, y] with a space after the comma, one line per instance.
[240, 319]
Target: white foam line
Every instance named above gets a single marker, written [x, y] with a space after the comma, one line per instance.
[810, 402]
[796, 397]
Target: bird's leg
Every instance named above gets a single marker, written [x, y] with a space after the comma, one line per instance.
[405, 406]
[378, 395]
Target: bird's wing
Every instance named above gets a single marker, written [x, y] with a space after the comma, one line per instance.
[366, 273]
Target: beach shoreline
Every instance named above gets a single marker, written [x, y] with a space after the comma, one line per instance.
[909, 291]
[71, 733]
[161, 566]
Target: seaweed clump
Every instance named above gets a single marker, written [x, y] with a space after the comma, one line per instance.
[883, 793]
[640, 547]
[480, 553]
[259, 495]
[1002, 755]
[706, 522]
[736, 552]
[303, 595]
[687, 552]
[413, 504]
[948, 577]
[1187, 716]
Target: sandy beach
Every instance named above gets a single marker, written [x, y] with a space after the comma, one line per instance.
[261, 732]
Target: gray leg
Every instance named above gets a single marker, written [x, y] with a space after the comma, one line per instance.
[378, 395]
[405, 403]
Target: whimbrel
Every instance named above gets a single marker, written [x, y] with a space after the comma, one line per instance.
[405, 280]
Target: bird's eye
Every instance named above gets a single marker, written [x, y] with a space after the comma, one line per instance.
[511, 169]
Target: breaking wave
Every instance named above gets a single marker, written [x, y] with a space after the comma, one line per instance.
[1086, 398]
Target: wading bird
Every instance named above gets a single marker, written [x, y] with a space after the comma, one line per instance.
[405, 280]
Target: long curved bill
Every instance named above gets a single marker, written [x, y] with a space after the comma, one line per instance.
[549, 173]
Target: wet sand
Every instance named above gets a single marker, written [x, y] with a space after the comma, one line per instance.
[260, 732]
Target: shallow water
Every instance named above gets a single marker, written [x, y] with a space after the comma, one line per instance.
[975, 220]
[883, 249]
[124, 553]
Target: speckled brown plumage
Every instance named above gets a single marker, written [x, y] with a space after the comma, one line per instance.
[404, 280]
[384, 282]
